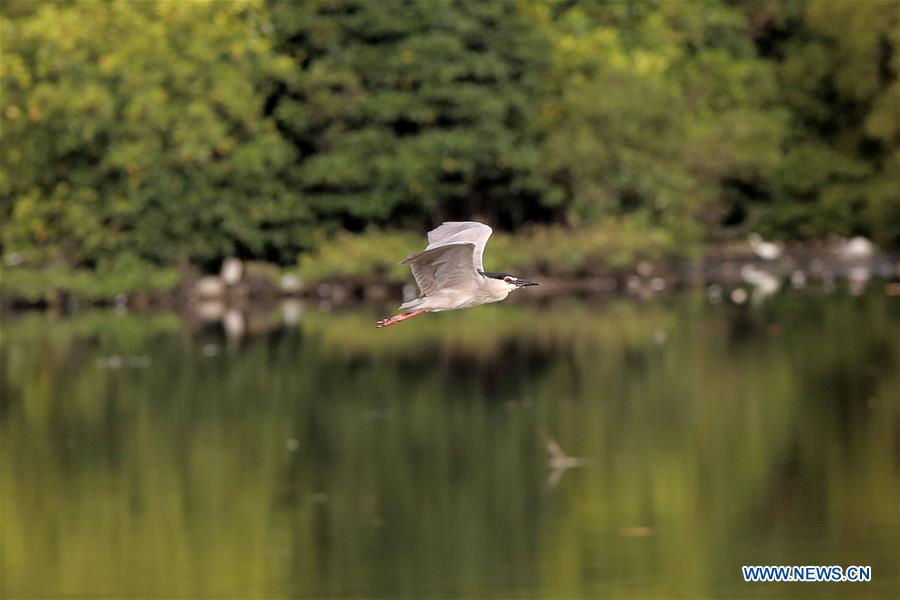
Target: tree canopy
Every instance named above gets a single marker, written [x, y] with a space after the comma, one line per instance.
[162, 132]
[837, 63]
[139, 128]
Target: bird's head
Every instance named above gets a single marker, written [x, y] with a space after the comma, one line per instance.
[512, 282]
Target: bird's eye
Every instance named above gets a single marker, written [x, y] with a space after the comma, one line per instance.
[508, 279]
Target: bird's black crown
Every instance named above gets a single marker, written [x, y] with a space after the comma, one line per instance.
[494, 275]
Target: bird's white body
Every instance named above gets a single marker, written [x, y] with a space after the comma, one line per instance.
[450, 273]
[485, 291]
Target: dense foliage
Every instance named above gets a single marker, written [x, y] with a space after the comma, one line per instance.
[654, 109]
[166, 132]
[837, 63]
[134, 128]
[418, 110]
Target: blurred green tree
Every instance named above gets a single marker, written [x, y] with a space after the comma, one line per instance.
[656, 109]
[414, 110]
[138, 129]
[837, 64]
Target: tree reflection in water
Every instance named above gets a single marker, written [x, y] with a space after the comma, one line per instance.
[327, 458]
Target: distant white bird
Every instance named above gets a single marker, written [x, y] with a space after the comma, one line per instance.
[232, 271]
[450, 273]
[765, 250]
[857, 248]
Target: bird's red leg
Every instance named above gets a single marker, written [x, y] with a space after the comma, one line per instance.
[402, 317]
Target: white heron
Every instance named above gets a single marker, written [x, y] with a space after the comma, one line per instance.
[856, 248]
[232, 271]
[763, 249]
[450, 273]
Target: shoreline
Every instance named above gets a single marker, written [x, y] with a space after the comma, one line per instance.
[727, 268]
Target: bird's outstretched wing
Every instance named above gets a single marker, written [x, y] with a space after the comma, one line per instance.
[453, 257]
[446, 266]
[453, 232]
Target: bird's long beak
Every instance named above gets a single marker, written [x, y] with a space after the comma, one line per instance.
[525, 282]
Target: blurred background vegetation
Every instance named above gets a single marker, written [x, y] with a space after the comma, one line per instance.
[138, 137]
[234, 452]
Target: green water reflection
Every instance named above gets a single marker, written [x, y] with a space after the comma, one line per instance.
[328, 458]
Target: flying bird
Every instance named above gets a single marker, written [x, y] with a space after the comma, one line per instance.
[450, 273]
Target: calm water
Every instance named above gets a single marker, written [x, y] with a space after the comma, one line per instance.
[148, 456]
